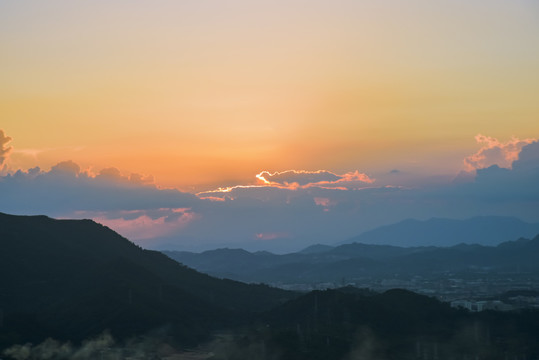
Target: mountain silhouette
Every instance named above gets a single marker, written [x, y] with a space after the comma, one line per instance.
[483, 230]
[350, 323]
[74, 278]
[358, 260]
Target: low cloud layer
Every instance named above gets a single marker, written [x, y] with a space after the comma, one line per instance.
[144, 224]
[516, 184]
[285, 210]
[65, 188]
[322, 214]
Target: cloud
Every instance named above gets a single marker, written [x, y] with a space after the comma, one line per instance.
[494, 152]
[528, 158]
[139, 179]
[68, 168]
[304, 178]
[111, 174]
[131, 205]
[271, 236]
[518, 183]
[296, 180]
[295, 217]
[66, 189]
[312, 214]
[300, 177]
[289, 210]
[144, 224]
[322, 201]
[4, 149]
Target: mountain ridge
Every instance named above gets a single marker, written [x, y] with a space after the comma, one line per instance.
[74, 278]
[484, 230]
[357, 260]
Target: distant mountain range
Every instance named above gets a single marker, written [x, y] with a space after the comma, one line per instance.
[321, 263]
[482, 230]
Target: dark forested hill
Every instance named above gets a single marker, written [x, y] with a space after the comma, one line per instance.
[346, 324]
[73, 278]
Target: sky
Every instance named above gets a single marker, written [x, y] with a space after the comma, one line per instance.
[267, 125]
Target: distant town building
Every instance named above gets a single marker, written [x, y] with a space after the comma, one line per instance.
[481, 305]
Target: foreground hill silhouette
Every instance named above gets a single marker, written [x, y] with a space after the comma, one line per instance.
[351, 323]
[73, 279]
[70, 279]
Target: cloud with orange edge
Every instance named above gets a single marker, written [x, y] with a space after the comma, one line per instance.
[305, 178]
[299, 179]
[4, 149]
[495, 152]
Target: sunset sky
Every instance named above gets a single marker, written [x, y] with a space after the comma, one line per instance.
[337, 99]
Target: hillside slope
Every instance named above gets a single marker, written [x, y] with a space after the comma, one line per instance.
[74, 278]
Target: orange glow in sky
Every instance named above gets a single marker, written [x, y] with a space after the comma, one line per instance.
[204, 94]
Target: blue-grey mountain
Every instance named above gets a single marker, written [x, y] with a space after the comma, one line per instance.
[483, 230]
